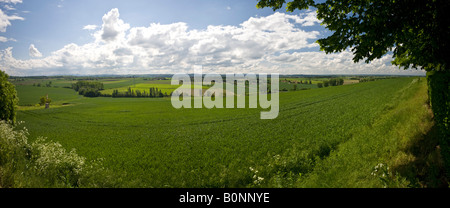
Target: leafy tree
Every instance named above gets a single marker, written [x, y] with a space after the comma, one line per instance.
[138, 93]
[319, 85]
[115, 93]
[88, 89]
[326, 83]
[87, 84]
[44, 100]
[8, 99]
[333, 82]
[415, 31]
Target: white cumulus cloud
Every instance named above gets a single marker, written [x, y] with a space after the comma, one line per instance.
[34, 52]
[259, 44]
[5, 20]
[11, 1]
[113, 27]
[90, 27]
[5, 39]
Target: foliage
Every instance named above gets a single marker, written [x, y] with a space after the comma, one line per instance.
[8, 99]
[152, 93]
[87, 88]
[45, 163]
[439, 93]
[336, 81]
[44, 100]
[87, 84]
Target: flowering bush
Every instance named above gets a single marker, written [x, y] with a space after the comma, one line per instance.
[45, 163]
[387, 177]
[51, 160]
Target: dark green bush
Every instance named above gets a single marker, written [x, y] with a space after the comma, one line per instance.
[438, 90]
[8, 99]
[45, 163]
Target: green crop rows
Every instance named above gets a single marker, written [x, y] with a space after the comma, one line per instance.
[151, 144]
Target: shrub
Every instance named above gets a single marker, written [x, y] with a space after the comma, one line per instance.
[8, 99]
[44, 100]
[439, 95]
[46, 164]
[88, 89]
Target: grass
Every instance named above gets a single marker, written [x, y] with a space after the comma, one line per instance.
[381, 142]
[322, 137]
[30, 95]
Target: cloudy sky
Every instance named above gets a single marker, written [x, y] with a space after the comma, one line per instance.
[87, 37]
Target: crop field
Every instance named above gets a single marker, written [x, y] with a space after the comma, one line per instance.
[29, 95]
[148, 143]
[163, 85]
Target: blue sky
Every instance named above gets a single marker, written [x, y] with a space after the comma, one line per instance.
[52, 37]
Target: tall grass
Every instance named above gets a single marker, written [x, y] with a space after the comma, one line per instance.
[374, 156]
[45, 163]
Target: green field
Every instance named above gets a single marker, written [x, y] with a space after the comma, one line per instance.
[29, 95]
[163, 85]
[328, 137]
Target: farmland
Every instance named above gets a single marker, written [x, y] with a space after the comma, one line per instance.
[148, 143]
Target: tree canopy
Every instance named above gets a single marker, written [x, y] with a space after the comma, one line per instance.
[416, 32]
[8, 99]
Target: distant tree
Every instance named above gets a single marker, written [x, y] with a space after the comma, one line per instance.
[115, 93]
[44, 100]
[88, 89]
[326, 83]
[295, 87]
[319, 85]
[332, 82]
[138, 93]
[310, 82]
[341, 81]
[89, 92]
[8, 99]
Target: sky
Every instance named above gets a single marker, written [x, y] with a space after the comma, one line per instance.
[92, 37]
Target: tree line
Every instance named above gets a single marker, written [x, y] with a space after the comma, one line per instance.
[331, 82]
[153, 92]
[88, 89]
